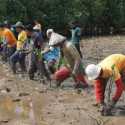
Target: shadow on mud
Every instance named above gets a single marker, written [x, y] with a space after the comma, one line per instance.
[119, 111]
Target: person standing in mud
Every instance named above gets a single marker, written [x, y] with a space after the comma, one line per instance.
[19, 56]
[75, 36]
[33, 46]
[71, 57]
[112, 66]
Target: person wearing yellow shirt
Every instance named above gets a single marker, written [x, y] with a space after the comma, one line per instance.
[112, 66]
[19, 56]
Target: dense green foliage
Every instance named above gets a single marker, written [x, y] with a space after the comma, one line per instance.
[58, 13]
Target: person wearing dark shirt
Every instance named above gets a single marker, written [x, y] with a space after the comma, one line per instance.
[33, 46]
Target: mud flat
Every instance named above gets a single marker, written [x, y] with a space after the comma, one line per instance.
[31, 103]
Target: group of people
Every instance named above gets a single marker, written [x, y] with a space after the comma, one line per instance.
[63, 58]
[14, 48]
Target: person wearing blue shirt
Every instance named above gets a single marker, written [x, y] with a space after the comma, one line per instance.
[51, 57]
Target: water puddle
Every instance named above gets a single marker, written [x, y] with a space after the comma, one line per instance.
[18, 109]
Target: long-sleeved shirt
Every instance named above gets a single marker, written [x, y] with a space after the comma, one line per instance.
[112, 66]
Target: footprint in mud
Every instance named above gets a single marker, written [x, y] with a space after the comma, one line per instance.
[23, 94]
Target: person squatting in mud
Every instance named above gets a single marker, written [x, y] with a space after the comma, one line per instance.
[73, 62]
[112, 66]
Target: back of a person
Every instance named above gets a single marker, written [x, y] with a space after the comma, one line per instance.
[113, 65]
[71, 54]
[37, 39]
[76, 33]
[115, 59]
[10, 38]
[52, 55]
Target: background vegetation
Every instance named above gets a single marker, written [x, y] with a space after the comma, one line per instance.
[93, 15]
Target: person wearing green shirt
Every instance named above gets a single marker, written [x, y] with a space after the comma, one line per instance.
[75, 36]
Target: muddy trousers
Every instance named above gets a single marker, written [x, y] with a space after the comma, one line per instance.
[31, 64]
[7, 52]
[43, 71]
[34, 65]
[17, 57]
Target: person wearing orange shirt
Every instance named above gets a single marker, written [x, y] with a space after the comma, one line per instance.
[112, 66]
[9, 41]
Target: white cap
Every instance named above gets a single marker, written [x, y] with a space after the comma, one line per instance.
[93, 71]
[49, 31]
[56, 38]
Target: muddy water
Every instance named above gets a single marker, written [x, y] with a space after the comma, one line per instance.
[40, 106]
[31, 103]
[21, 105]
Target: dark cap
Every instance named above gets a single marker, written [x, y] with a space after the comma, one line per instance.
[29, 27]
